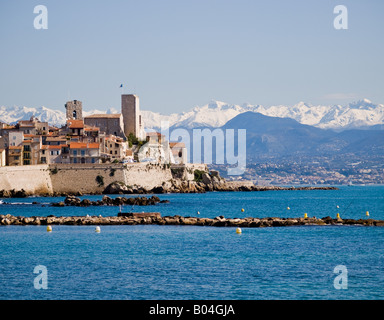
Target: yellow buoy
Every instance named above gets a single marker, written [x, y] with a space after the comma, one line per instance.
[238, 230]
[49, 229]
[97, 229]
[338, 216]
[242, 210]
[367, 213]
[288, 208]
[305, 216]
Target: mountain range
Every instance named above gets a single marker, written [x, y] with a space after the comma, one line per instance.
[362, 114]
[281, 137]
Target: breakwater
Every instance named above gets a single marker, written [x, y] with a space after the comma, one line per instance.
[156, 219]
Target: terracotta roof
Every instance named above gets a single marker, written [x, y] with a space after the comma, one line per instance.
[81, 145]
[177, 144]
[15, 147]
[109, 116]
[89, 128]
[75, 124]
[54, 147]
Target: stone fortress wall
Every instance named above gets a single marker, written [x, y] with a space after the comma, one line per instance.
[86, 178]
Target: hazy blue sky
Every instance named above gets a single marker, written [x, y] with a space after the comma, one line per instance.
[176, 54]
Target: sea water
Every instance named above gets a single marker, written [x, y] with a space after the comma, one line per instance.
[194, 262]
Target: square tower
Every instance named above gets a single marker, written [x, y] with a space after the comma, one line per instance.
[130, 110]
[74, 110]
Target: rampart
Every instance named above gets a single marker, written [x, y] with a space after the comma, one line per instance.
[86, 178]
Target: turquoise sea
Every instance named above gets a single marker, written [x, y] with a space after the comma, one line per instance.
[192, 262]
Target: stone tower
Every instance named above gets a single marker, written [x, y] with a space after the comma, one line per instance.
[74, 110]
[130, 110]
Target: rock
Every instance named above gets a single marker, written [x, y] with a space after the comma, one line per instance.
[58, 204]
[106, 200]
[206, 178]
[5, 222]
[85, 203]
[116, 188]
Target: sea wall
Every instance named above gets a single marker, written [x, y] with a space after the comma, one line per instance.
[32, 179]
[93, 178]
[84, 178]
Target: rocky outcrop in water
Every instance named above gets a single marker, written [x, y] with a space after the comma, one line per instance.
[156, 219]
[107, 201]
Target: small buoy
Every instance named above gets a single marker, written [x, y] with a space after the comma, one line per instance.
[367, 213]
[337, 207]
[305, 216]
[49, 229]
[288, 208]
[238, 230]
[97, 229]
[198, 212]
[242, 210]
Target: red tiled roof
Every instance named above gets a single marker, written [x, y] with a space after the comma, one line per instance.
[75, 124]
[81, 145]
[177, 144]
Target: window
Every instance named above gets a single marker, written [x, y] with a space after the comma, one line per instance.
[43, 160]
[83, 152]
[74, 160]
[74, 114]
[75, 153]
[115, 151]
[93, 160]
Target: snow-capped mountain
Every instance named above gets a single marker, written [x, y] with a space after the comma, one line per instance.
[360, 114]
[15, 113]
[53, 117]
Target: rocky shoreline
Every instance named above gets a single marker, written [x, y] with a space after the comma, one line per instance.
[207, 182]
[107, 201]
[156, 219]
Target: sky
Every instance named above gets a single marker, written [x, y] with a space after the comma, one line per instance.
[178, 54]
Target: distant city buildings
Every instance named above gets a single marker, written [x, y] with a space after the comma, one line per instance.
[99, 138]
